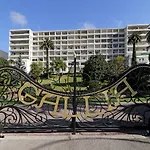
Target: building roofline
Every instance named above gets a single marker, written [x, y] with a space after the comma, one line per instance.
[79, 29]
[75, 29]
[19, 29]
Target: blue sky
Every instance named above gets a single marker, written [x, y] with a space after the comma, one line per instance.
[69, 14]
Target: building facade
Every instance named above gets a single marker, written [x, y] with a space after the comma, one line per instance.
[108, 42]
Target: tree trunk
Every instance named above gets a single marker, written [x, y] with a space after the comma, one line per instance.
[149, 58]
[134, 55]
[47, 64]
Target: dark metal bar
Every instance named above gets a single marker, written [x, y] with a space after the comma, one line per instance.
[74, 98]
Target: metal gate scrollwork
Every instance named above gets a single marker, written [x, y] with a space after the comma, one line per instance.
[68, 105]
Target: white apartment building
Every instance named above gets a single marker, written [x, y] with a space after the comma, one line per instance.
[108, 42]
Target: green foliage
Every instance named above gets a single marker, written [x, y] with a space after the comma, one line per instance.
[98, 73]
[47, 45]
[36, 70]
[19, 63]
[96, 68]
[133, 39]
[148, 36]
[11, 62]
[117, 65]
[58, 65]
[3, 62]
[93, 85]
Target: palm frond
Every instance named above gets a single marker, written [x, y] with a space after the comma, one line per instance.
[134, 38]
[148, 36]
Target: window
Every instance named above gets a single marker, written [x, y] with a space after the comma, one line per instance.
[121, 40]
[103, 45]
[64, 32]
[58, 33]
[115, 35]
[40, 38]
[103, 40]
[109, 40]
[46, 33]
[41, 33]
[64, 58]
[90, 36]
[121, 45]
[109, 46]
[40, 59]
[52, 33]
[64, 37]
[97, 36]
[115, 45]
[64, 52]
[103, 35]
[109, 35]
[97, 41]
[57, 42]
[121, 35]
[115, 51]
[115, 40]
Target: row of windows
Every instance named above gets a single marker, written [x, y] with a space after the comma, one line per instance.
[19, 48]
[78, 32]
[78, 59]
[81, 37]
[78, 52]
[84, 41]
[87, 46]
[20, 53]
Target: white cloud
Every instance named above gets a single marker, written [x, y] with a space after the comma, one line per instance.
[18, 18]
[119, 23]
[88, 26]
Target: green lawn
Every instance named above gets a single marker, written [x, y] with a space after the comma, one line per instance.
[65, 84]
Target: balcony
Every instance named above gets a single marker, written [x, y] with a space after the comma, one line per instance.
[19, 50]
[18, 33]
[19, 39]
[18, 44]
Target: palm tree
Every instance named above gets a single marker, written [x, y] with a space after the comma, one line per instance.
[133, 39]
[58, 65]
[148, 37]
[11, 62]
[47, 45]
[148, 41]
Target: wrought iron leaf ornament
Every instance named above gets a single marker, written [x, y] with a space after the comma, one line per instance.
[26, 104]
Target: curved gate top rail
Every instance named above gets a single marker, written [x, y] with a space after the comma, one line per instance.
[26, 104]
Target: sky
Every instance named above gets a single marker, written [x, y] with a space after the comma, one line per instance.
[69, 14]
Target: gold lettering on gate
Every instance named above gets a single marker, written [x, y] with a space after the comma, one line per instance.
[118, 94]
[57, 98]
[27, 95]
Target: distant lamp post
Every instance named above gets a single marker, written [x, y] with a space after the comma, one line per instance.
[74, 97]
[149, 58]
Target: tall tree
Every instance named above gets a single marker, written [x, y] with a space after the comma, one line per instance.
[95, 68]
[148, 37]
[11, 62]
[148, 41]
[58, 64]
[117, 65]
[133, 39]
[3, 61]
[36, 69]
[47, 45]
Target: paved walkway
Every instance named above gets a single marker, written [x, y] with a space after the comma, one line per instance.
[67, 141]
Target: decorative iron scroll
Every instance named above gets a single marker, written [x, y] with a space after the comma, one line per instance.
[25, 103]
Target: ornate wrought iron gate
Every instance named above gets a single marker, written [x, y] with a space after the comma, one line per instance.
[26, 105]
